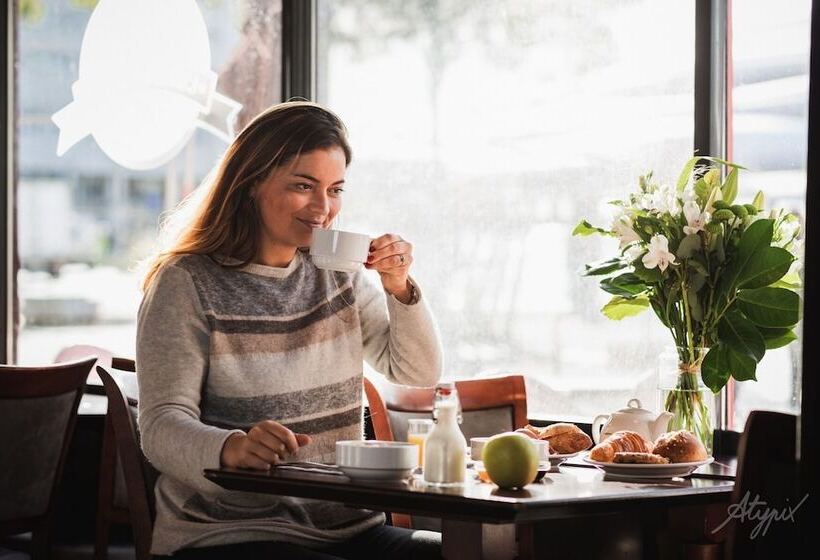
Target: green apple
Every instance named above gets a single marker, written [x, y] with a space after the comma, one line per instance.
[510, 459]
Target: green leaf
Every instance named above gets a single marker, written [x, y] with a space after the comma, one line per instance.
[696, 274]
[776, 338]
[599, 268]
[722, 161]
[584, 228]
[715, 369]
[619, 307]
[741, 335]
[758, 201]
[730, 187]
[770, 307]
[627, 285]
[702, 190]
[712, 178]
[741, 366]
[791, 281]
[688, 245]
[765, 267]
[648, 275]
[694, 305]
[656, 307]
[756, 237]
[647, 226]
[686, 173]
[781, 341]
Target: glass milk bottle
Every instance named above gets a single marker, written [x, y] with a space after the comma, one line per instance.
[445, 447]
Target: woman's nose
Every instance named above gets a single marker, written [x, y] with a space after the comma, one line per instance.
[320, 202]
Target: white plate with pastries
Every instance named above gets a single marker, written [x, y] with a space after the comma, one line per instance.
[644, 470]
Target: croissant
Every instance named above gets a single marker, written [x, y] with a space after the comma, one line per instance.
[623, 441]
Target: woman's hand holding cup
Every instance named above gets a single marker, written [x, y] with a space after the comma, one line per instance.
[391, 256]
[266, 443]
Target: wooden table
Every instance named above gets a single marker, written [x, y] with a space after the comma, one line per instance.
[481, 521]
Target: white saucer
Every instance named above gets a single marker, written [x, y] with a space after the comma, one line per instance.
[634, 470]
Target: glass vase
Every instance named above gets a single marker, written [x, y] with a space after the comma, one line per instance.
[683, 393]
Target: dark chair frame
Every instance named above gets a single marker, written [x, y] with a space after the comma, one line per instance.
[19, 382]
[767, 467]
[120, 439]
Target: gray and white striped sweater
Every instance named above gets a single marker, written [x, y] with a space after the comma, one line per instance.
[219, 349]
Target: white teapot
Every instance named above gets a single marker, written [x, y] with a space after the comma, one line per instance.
[633, 418]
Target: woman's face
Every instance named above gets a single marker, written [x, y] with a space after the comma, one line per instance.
[301, 195]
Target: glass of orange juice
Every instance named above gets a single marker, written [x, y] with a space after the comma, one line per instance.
[417, 430]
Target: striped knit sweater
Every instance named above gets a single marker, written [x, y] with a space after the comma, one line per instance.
[219, 349]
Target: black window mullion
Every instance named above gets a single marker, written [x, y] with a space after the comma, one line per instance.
[299, 49]
[8, 291]
[711, 24]
[808, 419]
[710, 77]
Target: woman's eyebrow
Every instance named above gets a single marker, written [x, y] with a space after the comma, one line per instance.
[314, 179]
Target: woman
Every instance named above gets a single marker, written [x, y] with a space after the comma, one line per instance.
[249, 355]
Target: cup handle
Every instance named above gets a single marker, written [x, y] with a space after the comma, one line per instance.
[597, 426]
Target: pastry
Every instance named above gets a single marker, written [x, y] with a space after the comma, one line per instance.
[565, 438]
[530, 431]
[680, 447]
[619, 441]
[639, 458]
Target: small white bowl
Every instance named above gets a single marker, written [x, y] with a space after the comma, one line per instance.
[376, 460]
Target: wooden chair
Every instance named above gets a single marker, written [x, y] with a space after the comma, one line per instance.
[767, 469]
[38, 411]
[138, 474]
[489, 406]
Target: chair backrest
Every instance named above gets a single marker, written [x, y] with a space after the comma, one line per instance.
[766, 470]
[38, 411]
[139, 475]
[489, 406]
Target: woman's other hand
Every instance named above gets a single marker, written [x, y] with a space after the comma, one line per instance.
[266, 443]
[391, 256]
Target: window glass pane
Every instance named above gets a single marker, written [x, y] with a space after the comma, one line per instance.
[83, 220]
[768, 131]
[482, 132]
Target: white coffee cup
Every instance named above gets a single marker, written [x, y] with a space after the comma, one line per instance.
[343, 251]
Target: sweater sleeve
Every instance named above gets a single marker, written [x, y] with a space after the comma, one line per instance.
[401, 341]
[172, 363]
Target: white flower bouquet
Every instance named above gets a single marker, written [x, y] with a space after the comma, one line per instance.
[723, 277]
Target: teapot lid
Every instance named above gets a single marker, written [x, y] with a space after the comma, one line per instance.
[634, 407]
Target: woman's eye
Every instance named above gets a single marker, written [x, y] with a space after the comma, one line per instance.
[338, 191]
[303, 187]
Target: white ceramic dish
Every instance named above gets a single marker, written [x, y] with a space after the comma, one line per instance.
[376, 460]
[556, 458]
[630, 470]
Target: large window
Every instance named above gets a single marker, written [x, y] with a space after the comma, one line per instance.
[768, 131]
[83, 220]
[482, 131]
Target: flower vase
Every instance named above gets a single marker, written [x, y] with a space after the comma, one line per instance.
[683, 393]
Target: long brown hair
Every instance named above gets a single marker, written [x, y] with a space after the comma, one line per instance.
[226, 222]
